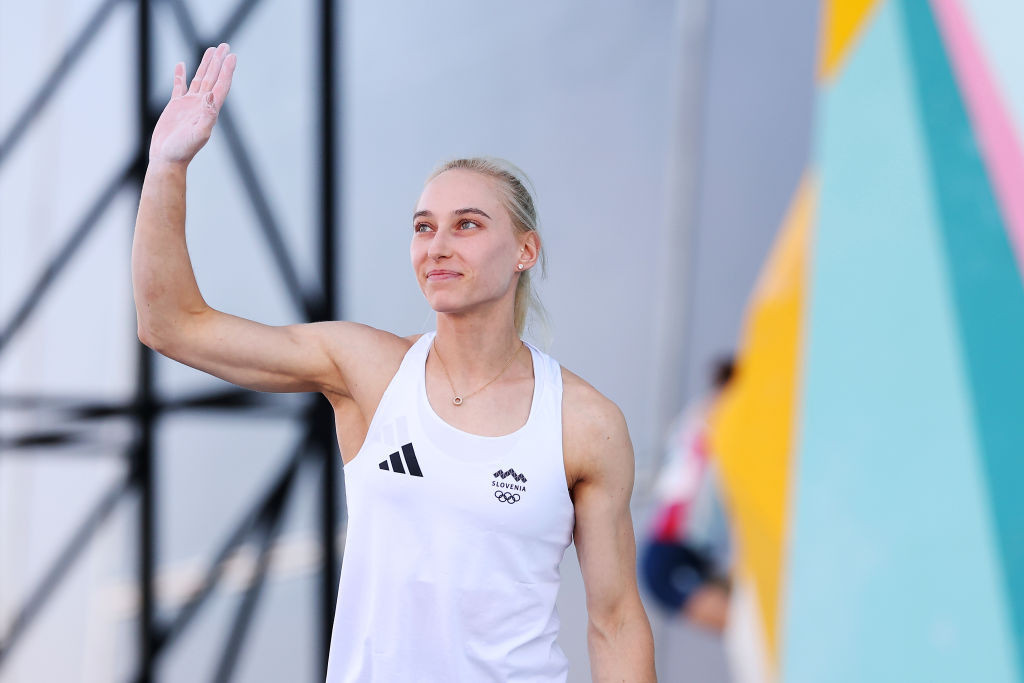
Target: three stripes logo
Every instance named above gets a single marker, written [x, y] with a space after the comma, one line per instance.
[506, 491]
[396, 462]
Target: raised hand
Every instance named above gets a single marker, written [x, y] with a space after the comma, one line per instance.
[187, 120]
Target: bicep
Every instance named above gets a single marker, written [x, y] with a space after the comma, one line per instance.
[605, 543]
[286, 358]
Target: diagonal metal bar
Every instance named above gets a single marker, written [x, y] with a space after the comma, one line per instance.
[52, 82]
[45, 589]
[268, 223]
[270, 524]
[166, 635]
[269, 226]
[236, 19]
[64, 255]
[170, 632]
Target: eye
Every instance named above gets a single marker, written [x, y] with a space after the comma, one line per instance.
[469, 224]
[421, 227]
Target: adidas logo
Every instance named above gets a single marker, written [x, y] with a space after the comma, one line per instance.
[396, 462]
[511, 473]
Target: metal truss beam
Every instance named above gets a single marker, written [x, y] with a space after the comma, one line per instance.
[45, 589]
[318, 444]
[48, 88]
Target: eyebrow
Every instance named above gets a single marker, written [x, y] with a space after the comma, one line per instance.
[456, 212]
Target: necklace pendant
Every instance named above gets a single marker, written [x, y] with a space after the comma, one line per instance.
[457, 400]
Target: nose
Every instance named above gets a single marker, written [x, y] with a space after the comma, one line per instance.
[440, 245]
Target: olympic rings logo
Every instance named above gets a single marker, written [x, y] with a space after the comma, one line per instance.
[506, 497]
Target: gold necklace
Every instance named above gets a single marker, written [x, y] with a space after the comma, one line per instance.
[456, 399]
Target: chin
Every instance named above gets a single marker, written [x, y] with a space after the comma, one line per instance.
[444, 304]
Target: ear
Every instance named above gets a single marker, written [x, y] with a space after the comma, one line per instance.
[529, 250]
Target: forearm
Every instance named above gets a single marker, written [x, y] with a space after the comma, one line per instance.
[622, 649]
[163, 282]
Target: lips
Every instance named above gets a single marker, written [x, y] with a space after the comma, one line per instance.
[437, 275]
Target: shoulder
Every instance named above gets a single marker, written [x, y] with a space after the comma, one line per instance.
[366, 357]
[595, 436]
[348, 332]
[586, 408]
[351, 342]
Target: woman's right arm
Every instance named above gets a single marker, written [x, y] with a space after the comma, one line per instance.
[173, 317]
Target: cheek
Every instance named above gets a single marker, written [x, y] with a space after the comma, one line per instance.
[497, 271]
[416, 261]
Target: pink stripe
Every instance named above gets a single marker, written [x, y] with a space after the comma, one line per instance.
[999, 144]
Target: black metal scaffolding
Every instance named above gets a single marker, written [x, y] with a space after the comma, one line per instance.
[71, 420]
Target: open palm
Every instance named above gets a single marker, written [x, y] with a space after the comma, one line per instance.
[187, 120]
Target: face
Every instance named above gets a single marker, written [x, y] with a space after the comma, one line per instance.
[465, 250]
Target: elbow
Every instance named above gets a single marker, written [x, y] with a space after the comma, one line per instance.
[610, 623]
[146, 338]
[605, 625]
[149, 337]
[158, 331]
[144, 322]
[621, 644]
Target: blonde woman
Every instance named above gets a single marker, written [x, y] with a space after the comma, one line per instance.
[472, 459]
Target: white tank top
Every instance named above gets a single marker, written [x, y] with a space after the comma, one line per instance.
[450, 570]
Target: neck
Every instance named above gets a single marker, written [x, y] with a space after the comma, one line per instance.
[474, 349]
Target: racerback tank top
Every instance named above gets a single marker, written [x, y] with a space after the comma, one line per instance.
[450, 571]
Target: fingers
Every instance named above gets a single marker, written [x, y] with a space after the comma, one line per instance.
[216, 62]
[197, 80]
[223, 84]
[179, 80]
[213, 76]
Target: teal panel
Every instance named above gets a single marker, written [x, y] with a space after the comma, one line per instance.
[892, 573]
[987, 290]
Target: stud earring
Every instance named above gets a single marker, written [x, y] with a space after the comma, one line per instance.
[520, 266]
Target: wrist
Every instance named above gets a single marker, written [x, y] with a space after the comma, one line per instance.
[159, 166]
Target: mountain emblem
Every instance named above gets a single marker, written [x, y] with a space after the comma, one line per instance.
[511, 473]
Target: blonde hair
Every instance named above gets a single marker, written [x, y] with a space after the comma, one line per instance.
[517, 199]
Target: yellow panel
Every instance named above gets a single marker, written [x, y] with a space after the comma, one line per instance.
[841, 23]
[753, 425]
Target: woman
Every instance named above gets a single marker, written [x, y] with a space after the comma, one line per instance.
[471, 459]
[687, 554]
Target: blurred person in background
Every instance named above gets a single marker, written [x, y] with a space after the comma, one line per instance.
[472, 459]
[686, 557]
